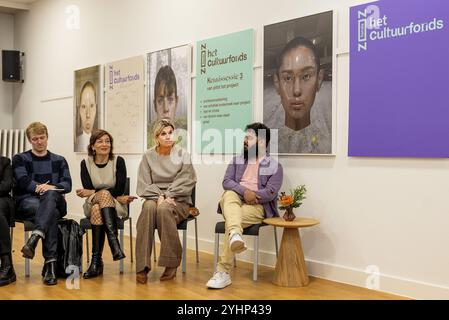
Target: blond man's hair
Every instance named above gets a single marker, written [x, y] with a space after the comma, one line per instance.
[159, 126]
[36, 128]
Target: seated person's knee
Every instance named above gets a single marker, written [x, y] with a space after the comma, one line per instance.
[53, 195]
[149, 205]
[104, 194]
[164, 208]
[29, 205]
[229, 194]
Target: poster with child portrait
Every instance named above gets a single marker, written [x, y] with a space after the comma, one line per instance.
[87, 106]
[168, 92]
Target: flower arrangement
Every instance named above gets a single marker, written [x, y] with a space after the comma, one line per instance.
[293, 200]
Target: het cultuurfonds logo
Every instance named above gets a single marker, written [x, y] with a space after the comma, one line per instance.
[371, 25]
[210, 58]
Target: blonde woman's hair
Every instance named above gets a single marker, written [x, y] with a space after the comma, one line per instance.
[159, 126]
[36, 128]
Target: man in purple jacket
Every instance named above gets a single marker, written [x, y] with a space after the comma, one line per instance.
[251, 185]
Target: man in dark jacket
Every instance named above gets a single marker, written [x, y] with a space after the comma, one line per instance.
[251, 185]
[7, 274]
[42, 177]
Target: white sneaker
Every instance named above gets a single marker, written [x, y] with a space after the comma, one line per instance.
[219, 280]
[236, 243]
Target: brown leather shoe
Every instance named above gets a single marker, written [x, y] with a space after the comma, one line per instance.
[168, 274]
[142, 277]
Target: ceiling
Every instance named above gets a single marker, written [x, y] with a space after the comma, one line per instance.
[13, 6]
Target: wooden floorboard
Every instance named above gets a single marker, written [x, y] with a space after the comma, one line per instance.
[190, 285]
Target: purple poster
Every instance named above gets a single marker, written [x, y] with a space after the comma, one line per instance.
[399, 87]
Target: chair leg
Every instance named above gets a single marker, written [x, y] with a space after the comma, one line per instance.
[184, 250]
[196, 241]
[27, 261]
[154, 248]
[87, 246]
[217, 243]
[256, 257]
[131, 238]
[276, 241]
[121, 245]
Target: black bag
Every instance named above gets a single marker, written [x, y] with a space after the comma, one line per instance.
[70, 247]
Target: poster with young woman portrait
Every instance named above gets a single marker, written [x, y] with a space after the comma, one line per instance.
[299, 84]
[168, 92]
[87, 106]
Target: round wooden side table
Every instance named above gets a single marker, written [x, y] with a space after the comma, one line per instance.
[291, 270]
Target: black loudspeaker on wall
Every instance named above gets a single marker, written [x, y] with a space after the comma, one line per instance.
[11, 65]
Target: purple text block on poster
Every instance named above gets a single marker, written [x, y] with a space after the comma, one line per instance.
[399, 79]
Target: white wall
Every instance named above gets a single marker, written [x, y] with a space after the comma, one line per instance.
[6, 89]
[390, 213]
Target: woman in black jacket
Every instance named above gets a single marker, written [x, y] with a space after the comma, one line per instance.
[103, 176]
[7, 274]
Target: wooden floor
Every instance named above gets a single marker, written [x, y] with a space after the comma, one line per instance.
[190, 285]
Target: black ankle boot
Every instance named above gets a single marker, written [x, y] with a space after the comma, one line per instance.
[7, 274]
[50, 277]
[110, 224]
[96, 265]
[30, 246]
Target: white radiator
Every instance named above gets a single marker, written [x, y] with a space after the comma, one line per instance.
[12, 141]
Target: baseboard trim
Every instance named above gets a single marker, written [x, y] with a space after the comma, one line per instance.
[386, 283]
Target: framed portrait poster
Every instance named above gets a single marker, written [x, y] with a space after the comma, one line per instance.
[299, 85]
